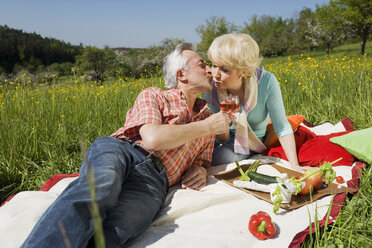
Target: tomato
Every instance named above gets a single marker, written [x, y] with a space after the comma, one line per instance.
[316, 180]
[339, 179]
[309, 188]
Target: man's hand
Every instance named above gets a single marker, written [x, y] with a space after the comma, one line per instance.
[194, 178]
[218, 123]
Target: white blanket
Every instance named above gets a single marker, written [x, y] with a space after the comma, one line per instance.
[216, 216]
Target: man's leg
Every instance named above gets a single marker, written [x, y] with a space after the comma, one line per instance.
[111, 161]
[141, 198]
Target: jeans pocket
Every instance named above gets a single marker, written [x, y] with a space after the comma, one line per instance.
[150, 174]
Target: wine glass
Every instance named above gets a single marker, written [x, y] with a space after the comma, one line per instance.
[230, 104]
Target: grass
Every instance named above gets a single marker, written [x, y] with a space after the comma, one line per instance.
[42, 127]
[353, 226]
[350, 50]
[328, 89]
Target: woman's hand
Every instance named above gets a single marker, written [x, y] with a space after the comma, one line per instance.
[301, 169]
[194, 177]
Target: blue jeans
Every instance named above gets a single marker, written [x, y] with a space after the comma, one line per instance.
[224, 153]
[129, 192]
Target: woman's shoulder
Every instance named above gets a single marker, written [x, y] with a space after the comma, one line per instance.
[267, 79]
[264, 75]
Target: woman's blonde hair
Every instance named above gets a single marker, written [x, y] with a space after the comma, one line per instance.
[236, 51]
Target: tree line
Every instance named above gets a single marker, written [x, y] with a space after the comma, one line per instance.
[329, 25]
[20, 50]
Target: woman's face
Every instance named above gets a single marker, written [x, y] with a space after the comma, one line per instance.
[226, 78]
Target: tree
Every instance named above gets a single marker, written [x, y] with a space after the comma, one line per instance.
[300, 41]
[257, 28]
[100, 61]
[146, 62]
[326, 29]
[273, 34]
[356, 15]
[20, 50]
[214, 27]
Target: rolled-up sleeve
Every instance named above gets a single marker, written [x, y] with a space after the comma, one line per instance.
[147, 109]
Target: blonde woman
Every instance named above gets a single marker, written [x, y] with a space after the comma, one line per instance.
[235, 69]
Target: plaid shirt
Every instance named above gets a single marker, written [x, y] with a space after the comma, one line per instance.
[156, 106]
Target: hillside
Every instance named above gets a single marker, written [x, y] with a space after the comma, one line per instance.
[19, 49]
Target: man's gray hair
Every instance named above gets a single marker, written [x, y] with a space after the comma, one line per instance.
[174, 61]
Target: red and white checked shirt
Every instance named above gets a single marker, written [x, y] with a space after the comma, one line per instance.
[156, 106]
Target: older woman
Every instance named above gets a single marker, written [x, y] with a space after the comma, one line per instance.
[235, 70]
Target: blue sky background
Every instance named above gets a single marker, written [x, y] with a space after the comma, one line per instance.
[137, 23]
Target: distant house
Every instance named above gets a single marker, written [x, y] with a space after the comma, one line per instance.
[121, 52]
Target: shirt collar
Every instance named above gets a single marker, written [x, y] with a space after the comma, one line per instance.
[200, 105]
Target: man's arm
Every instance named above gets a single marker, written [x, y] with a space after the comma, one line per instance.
[158, 137]
[223, 137]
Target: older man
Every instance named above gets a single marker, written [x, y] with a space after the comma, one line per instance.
[167, 137]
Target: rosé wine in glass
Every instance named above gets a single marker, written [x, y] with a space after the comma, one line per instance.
[229, 104]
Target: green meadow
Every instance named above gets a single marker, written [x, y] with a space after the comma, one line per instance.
[44, 126]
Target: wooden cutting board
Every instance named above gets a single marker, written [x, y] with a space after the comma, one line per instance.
[297, 200]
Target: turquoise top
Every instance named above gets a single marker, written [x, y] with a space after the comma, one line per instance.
[269, 105]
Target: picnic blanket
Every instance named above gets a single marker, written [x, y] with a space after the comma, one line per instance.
[216, 216]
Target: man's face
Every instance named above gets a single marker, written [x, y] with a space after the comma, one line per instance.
[199, 75]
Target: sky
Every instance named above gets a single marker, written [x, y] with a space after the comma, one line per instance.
[135, 23]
